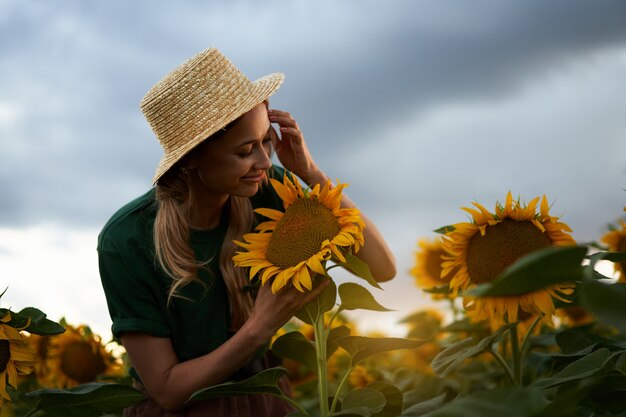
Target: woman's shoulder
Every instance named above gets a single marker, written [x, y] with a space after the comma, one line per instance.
[131, 223]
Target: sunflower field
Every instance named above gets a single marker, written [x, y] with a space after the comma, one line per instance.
[527, 324]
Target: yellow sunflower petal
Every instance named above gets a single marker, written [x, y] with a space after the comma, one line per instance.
[11, 374]
[338, 253]
[268, 273]
[3, 388]
[315, 265]
[270, 213]
[286, 193]
[280, 280]
[304, 278]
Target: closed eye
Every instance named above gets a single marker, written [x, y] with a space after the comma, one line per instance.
[248, 149]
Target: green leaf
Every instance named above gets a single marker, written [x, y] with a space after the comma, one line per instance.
[535, 271]
[331, 341]
[609, 393]
[577, 340]
[86, 400]
[357, 399]
[607, 302]
[295, 346]
[512, 402]
[354, 297]
[39, 324]
[444, 289]
[582, 368]
[565, 403]
[445, 229]
[360, 269]
[360, 347]
[353, 412]
[424, 407]
[608, 256]
[265, 382]
[394, 401]
[325, 302]
[454, 355]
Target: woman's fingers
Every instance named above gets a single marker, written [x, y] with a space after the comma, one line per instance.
[291, 131]
[291, 146]
[284, 119]
[315, 292]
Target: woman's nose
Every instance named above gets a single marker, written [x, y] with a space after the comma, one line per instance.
[263, 160]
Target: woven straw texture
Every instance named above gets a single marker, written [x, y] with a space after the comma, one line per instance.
[197, 99]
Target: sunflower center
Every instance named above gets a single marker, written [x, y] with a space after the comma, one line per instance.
[5, 355]
[81, 362]
[502, 244]
[300, 233]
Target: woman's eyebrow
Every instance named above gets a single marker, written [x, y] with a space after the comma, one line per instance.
[254, 140]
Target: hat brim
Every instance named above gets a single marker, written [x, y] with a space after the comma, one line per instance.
[261, 90]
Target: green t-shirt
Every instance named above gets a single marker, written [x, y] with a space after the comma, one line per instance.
[136, 288]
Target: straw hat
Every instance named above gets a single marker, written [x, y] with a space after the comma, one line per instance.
[199, 98]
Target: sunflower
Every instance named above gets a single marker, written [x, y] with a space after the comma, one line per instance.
[76, 357]
[295, 243]
[16, 357]
[427, 270]
[616, 239]
[479, 251]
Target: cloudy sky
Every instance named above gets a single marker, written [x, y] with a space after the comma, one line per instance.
[422, 106]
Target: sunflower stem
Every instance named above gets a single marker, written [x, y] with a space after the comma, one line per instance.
[517, 357]
[504, 365]
[332, 318]
[526, 342]
[320, 350]
[339, 388]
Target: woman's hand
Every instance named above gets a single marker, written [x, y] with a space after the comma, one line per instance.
[272, 311]
[291, 148]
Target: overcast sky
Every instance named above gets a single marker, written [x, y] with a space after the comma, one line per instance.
[422, 106]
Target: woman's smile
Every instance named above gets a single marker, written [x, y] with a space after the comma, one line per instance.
[254, 178]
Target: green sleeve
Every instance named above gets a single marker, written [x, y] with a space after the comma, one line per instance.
[132, 297]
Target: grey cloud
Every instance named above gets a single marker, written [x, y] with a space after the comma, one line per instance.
[80, 69]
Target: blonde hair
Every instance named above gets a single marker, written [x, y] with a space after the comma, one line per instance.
[177, 258]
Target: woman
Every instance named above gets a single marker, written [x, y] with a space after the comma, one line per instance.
[177, 303]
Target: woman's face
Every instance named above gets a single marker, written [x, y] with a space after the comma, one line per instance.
[235, 163]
